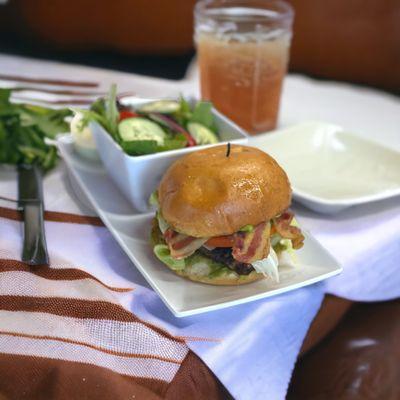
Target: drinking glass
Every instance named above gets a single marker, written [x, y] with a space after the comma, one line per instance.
[243, 53]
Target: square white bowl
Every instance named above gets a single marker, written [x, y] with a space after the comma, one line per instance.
[138, 176]
[331, 169]
[183, 297]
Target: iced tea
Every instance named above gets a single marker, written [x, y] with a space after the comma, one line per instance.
[242, 65]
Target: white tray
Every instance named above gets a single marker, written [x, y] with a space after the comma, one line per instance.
[330, 169]
[181, 296]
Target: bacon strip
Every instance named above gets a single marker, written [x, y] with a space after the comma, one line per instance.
[180, 245]
[247, 246]
[287, 231]
[252, 246]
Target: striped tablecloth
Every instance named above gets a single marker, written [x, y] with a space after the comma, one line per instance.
[90, 327]
[65, 333]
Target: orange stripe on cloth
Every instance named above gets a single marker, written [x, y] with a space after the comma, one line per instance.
[77, 308]
[91, 346]
[114, 337]
[60, 350]
[53, 216]
[46, 272]
[199, 339]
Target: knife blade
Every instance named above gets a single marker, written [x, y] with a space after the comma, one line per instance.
[30, 201]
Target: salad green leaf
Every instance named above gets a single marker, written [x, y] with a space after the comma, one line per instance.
[103, 111]
[184, 113]
[203, 115]
[90, 115]
[5, 96]
[24, 129]
[111, 111]
[49, 121]
[141, 147]
[177, 141]
[98, 106]
[137, 147]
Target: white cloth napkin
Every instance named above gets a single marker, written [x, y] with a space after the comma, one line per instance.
[252, 348]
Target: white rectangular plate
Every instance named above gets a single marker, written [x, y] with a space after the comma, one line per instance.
[181, 296]
[331, 169]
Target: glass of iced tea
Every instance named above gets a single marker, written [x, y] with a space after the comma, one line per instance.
[243, 53]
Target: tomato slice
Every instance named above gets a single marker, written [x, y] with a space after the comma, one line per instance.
[221, 241]
[127, 114]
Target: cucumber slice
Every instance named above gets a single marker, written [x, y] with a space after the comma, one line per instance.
[201, 133]
[160, 106]
[140, 129]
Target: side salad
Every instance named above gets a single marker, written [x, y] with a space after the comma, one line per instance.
[155, 126]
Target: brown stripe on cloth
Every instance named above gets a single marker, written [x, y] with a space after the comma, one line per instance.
[66, 92]
[77, 308]
[89, 345]
[194, 380]
[68, 274]
[66, 102]
[54, 216]
[37, 378]
[47, 81]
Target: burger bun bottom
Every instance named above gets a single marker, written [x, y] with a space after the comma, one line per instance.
[225, 279]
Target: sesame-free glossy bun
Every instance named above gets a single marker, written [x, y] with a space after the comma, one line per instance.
[206, 193]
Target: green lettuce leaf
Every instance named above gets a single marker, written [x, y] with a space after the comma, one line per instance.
[111, 111]
[177, 141]
[194, 263]
[24, 129]
[247, 228]
[184, 113]
[139, 147]
[162, 223]
[162, 253]
[88, 116]
[153, 199]
[142, 147]
[203, 115]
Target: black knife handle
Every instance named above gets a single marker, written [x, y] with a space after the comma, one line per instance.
[34, 250]
[30, 195]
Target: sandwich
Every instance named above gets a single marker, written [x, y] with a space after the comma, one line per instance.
[222, 216]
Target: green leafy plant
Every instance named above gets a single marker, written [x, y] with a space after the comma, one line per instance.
[202, 114]
[24, 129]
